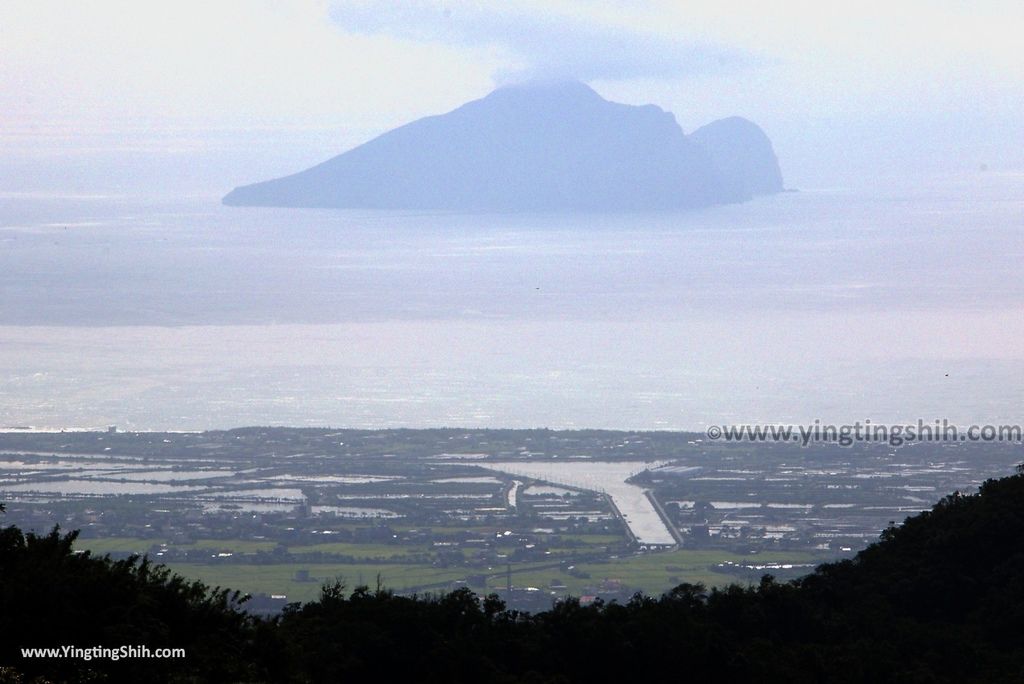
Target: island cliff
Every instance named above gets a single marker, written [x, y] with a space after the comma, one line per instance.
[537, 147]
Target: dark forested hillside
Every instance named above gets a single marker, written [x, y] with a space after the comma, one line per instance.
[51, 596]
[940, 598]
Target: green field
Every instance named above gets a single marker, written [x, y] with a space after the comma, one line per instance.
[594, 538]
[652, 573]
[280, 578]
[361, 550]
[355, 550]
[114, 545]
[133, 545]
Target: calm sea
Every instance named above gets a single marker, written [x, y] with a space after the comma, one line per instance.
[830, 304]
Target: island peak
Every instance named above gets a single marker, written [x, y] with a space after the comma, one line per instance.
[533, 146]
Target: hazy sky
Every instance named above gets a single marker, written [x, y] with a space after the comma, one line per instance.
[255, 88]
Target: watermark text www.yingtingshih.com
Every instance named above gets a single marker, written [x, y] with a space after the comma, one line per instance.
[851, 433]
[113, 653]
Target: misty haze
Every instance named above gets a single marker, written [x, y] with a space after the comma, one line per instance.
[823, 303]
